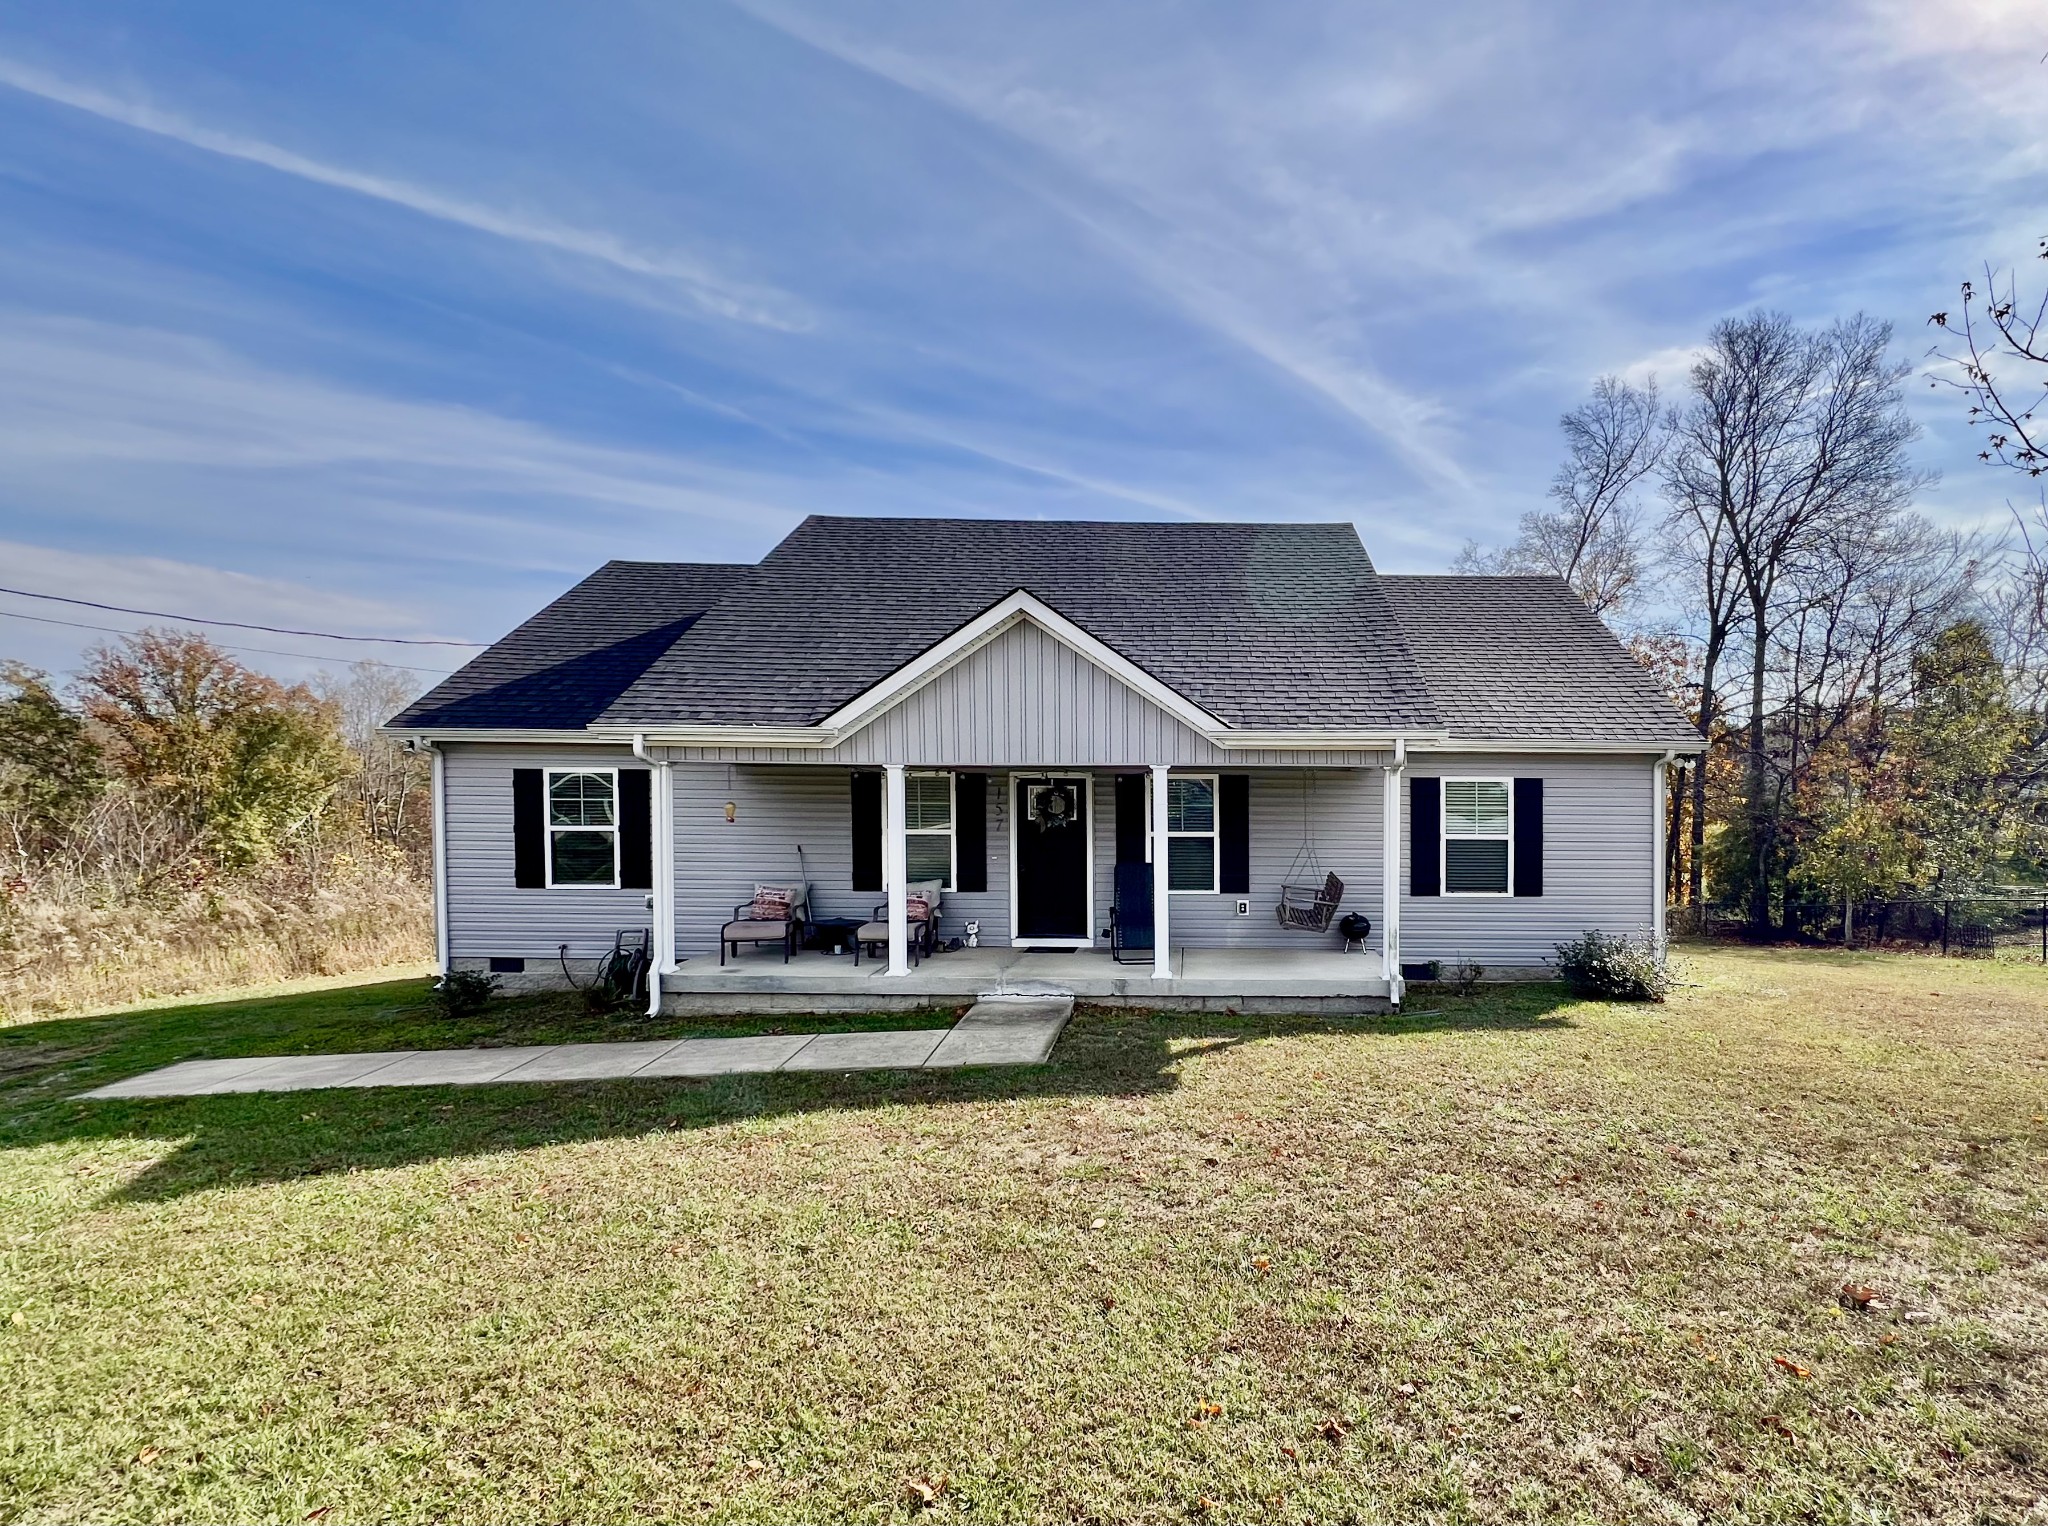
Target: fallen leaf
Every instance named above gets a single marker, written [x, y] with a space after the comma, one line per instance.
[1212, 1409]
[1790, 1366]
[1406, 1390]
[18, 1318]
[318, 1513]
[1198, 1424]
[1775, 1423]
[1515, 1412]
[1205, 1504]
[1108, 1302]
[1334, 1430]
[259, 1300]
[924, 1493]
[1262, 1264]
[1291, 1453]
[149, 1455]
[1858, 1297]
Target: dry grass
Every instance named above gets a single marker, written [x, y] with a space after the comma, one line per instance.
[74, 951]
[1505, 1258]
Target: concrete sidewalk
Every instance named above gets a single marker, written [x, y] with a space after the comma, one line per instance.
[994, 1031]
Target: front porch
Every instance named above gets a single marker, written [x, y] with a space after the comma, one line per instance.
[1206, 979]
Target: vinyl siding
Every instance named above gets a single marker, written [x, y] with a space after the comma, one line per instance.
[1598, 863]
[487, 914]
[778, 810]
[1344, 811]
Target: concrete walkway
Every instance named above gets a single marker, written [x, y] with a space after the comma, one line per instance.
[994, 1031]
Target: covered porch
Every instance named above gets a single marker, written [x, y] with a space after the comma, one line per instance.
[1235, 979]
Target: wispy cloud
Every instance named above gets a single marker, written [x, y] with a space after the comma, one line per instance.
[704, 286]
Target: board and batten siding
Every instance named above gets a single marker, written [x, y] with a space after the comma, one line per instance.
[488, 915]
[1599, 862]
[1025, 700]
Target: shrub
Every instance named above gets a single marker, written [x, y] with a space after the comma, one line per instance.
[1614, 967]
[464, 992]
[1464, 976]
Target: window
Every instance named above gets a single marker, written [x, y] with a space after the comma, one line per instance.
[1476, 835]
[928, 828]
[583, 827]
[1191, 832]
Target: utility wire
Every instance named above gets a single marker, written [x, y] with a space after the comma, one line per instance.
[240, 625]
[11, 614]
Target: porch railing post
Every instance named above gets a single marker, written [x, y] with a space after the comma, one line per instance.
[895, 863]
[1162, 944]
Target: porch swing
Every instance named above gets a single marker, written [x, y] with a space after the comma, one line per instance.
[1305, 906]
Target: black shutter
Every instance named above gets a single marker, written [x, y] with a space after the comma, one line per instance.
[1130, 818]
[636, 829]
[529, 830]
[1425, 836]
[867, 831]
[1528, 837]
[1234, 834]
[970, 830]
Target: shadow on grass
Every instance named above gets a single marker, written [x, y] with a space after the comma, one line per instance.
[251, 1137]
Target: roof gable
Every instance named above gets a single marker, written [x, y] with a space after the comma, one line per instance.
[1279, 626]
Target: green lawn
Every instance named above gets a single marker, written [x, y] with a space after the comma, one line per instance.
[1502, 1258]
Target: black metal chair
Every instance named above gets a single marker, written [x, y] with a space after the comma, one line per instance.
[745, 927]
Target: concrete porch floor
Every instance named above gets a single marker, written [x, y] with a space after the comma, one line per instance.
[1251, 979]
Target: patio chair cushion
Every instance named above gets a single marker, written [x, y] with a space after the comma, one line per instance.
[873, 932]
[756, 930]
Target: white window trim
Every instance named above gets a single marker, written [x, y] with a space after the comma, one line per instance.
[1214, 834]
[952, 828]
[547, 796]
[1443, 839]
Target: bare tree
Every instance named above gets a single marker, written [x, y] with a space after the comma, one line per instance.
[2001, 353]
[1592, 538]
[1791, 440]
[390, 784]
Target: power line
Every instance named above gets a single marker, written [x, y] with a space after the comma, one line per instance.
[11, 614]
[240, 625]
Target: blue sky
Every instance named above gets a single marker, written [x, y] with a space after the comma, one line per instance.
[396, 319]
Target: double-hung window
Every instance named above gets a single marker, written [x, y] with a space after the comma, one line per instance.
[583, 826]
[1191, 832]
[1477, 833]
[928, 828]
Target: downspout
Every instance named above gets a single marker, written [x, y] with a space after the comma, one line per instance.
[1390, 874]
[662, 957]
[438, 788]
[1660, 890]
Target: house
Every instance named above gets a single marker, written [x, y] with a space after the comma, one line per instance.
[1069, 728]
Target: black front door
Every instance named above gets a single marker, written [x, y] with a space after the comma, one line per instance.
[1051, 818]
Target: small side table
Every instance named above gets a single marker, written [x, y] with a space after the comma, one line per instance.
[834, 935]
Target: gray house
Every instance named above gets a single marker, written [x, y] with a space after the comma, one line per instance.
[1195, 764]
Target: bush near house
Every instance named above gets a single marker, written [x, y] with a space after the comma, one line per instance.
[1614, 966]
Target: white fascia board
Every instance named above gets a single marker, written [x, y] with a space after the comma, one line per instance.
[984, 628]
[1542, 744]
[509, 734]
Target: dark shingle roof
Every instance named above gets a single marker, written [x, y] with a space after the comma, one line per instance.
[1523, 658]
[1262, 625]
[561, 669]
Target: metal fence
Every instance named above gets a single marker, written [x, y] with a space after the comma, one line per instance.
[2012, 921]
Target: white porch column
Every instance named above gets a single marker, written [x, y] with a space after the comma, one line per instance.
[1390, 875]
[1162, 932]
[663, 960]
[895, 867]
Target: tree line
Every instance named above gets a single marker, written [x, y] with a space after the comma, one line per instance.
[167, 765]
[1872, 686]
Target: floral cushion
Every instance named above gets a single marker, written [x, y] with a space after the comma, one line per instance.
[771, 903]
[917, 906]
